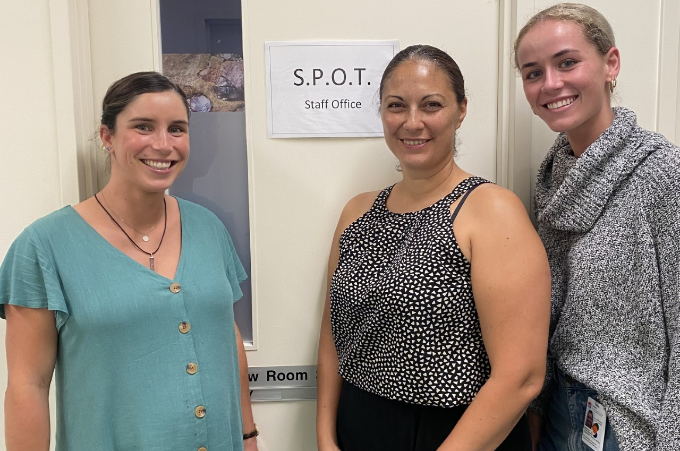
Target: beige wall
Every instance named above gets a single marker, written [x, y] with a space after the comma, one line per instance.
[64, 53]
[30, 178]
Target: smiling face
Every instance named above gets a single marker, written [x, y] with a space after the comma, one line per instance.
[420, 116]
[566, 79]
[150, 143]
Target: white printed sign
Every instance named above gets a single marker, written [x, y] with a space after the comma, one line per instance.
[325, 88]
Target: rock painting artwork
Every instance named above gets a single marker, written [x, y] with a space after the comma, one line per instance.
[211, 82]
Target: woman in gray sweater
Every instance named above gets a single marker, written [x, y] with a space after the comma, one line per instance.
[608, 211]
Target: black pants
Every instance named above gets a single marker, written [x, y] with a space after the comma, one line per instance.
[368, 422]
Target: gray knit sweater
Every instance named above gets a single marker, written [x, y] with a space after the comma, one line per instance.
[610, 222]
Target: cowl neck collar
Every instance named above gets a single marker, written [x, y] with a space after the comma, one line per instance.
[572, 192]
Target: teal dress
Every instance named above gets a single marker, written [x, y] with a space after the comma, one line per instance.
[144, 362]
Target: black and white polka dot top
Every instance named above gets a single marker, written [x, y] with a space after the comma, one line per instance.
[403, 316]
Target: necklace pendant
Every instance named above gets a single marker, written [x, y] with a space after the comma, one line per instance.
[151, 262]
[145, 238]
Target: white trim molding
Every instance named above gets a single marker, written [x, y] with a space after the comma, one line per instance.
[667, 117]
[73, 98]
[514, 132]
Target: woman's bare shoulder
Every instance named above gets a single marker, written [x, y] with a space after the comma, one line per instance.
[356, 207]
[491, 202]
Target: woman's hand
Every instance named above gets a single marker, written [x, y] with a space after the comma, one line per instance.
[250, 444]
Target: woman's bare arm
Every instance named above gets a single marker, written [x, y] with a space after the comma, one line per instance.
[31, 345]
[328, 379]
[246, 409]
[511, 286]
[329, 382]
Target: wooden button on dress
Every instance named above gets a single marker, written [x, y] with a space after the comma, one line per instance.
[184, 327]
[200, 411]
[192, 368]
[202, 448]
[175, 287]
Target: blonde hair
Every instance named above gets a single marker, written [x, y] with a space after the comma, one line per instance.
[595, 27]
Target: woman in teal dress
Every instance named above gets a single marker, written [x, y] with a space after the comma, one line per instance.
[127, 297]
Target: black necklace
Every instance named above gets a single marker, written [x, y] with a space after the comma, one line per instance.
[165, 225]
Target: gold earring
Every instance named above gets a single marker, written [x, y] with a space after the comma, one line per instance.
[612, 85]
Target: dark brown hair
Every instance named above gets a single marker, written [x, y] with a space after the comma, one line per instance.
[122, 92]
[439, 58]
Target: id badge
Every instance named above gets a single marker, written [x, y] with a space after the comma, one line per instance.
[594, 425]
